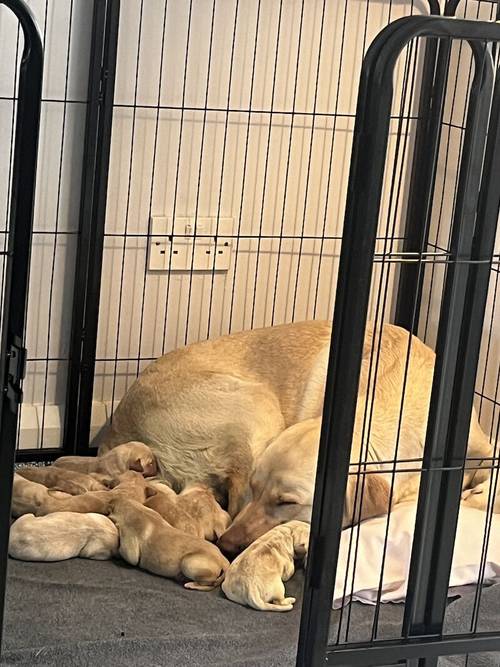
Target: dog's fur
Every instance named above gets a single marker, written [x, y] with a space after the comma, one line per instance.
[129, 456]
[33, 498]
[255, 578]
[210, 410]
[68, 481]
[148, 541]
[283, 480]
[200, 504]
[164, 502]
[63, 535]
[482, 497]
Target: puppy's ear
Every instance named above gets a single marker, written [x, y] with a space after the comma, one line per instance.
[150, 491]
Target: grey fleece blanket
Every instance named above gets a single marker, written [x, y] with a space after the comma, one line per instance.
[86, 613]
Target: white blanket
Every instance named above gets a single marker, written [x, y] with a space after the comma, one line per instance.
[370, 548]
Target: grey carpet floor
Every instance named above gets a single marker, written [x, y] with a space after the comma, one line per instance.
[82, 613]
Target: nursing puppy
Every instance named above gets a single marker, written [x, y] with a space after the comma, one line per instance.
[31, 498]
[282, 483]
[164, 502]
[130, 456]
[63, 535]
[210, 410]
[256, 577]
[200, 504]
[146, 540]
[68, 481]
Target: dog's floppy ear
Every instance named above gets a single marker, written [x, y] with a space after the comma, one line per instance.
[136, 465]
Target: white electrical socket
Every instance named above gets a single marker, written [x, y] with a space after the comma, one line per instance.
[183, 251]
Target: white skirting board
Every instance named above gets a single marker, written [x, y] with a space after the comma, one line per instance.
[49, 419]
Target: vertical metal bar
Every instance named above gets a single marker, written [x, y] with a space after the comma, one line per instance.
[423, 179]
[464, 298]
[16, 280]
[355, 270]
[91, 230]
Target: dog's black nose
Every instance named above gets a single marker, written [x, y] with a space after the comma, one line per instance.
[228, 547]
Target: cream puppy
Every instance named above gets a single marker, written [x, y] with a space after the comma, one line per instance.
[147, 540]
[63, 535]
[130, 456]
[30, 497]
[256, 577]
[164, 502]
[200, 504]
[68, 481]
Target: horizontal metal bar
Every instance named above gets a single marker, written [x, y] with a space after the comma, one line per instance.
[383, 652]
[36, 455]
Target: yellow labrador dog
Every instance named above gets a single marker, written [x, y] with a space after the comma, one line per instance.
[256, 577]
[210, 410]
[282, 483]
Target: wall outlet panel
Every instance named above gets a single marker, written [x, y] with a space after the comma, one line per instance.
[174, 246]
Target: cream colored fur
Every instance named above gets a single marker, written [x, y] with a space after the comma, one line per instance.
[194, 511]
[283, 479]
[63, 535]
[148, 541]
[68, 481]
[255, 578]
[134, 456]
[210, 410]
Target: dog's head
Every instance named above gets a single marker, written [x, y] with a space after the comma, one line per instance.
[282, 486]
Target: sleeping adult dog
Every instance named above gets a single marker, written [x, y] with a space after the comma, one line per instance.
[210, 410]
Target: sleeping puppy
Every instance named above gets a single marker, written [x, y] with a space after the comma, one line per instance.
[131, 485]
[63, 535]
[33, 498]
[130, 456]
[147, 540]
[256, 577]
[164, 502]
[68, 481]
[30, 497]
[200, 504]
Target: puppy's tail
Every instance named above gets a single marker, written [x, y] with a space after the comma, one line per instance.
[284, 605]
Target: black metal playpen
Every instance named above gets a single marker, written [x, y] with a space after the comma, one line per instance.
[208, 157]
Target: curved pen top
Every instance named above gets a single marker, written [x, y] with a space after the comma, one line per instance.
[31, 31]
[385, 49]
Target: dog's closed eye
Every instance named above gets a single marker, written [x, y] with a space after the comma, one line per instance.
[284, 500]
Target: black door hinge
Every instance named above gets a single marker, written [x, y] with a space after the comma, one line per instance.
[16, 359]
